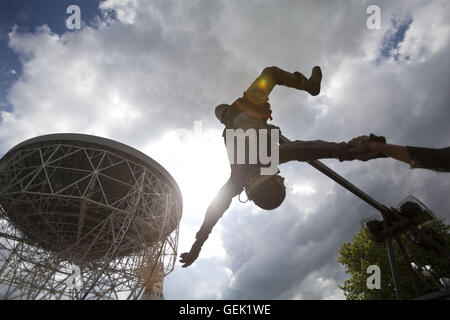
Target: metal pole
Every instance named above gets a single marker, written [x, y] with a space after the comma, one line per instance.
[394, 268]
[348, 185]
[408, 262]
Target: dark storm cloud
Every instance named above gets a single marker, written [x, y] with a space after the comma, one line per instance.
[406, 102]
[275, 252]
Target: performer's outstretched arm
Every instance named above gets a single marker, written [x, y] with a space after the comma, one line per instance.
[314, 150]
[416, 157]
[214, 212]
[317, 149]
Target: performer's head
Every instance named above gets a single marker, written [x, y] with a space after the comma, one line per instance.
[266, 191]
[222, 111]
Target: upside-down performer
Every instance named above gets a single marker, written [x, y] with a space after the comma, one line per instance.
[252, 111]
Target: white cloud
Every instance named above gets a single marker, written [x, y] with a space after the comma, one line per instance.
[426, 36]
[314, 286]
[125, 10]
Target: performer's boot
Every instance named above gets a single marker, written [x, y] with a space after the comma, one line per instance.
[311, 85]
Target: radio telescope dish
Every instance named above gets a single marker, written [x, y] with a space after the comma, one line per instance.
[73, 199]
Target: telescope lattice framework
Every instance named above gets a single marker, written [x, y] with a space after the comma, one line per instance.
[72, 201]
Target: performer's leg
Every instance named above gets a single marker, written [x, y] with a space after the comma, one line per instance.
[259, 90]
[313, 150]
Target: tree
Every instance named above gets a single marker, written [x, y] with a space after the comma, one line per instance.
[361, 252]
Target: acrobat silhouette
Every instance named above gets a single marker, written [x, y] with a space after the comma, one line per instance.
[252, 111]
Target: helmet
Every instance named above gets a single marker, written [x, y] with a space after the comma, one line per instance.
[222, 111]
[266, 191]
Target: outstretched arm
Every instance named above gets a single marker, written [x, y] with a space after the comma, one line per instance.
[416, 157]
[313, 150]
[377, 144]
[214, 212]
[397, 152]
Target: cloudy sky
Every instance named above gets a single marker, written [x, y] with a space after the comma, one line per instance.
[149, 73]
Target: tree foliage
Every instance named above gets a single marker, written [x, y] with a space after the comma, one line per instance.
[361, 252]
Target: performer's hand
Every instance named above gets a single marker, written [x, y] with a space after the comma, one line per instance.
[361, 144]
[188, 258]
[359, 147]
[368, 155]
